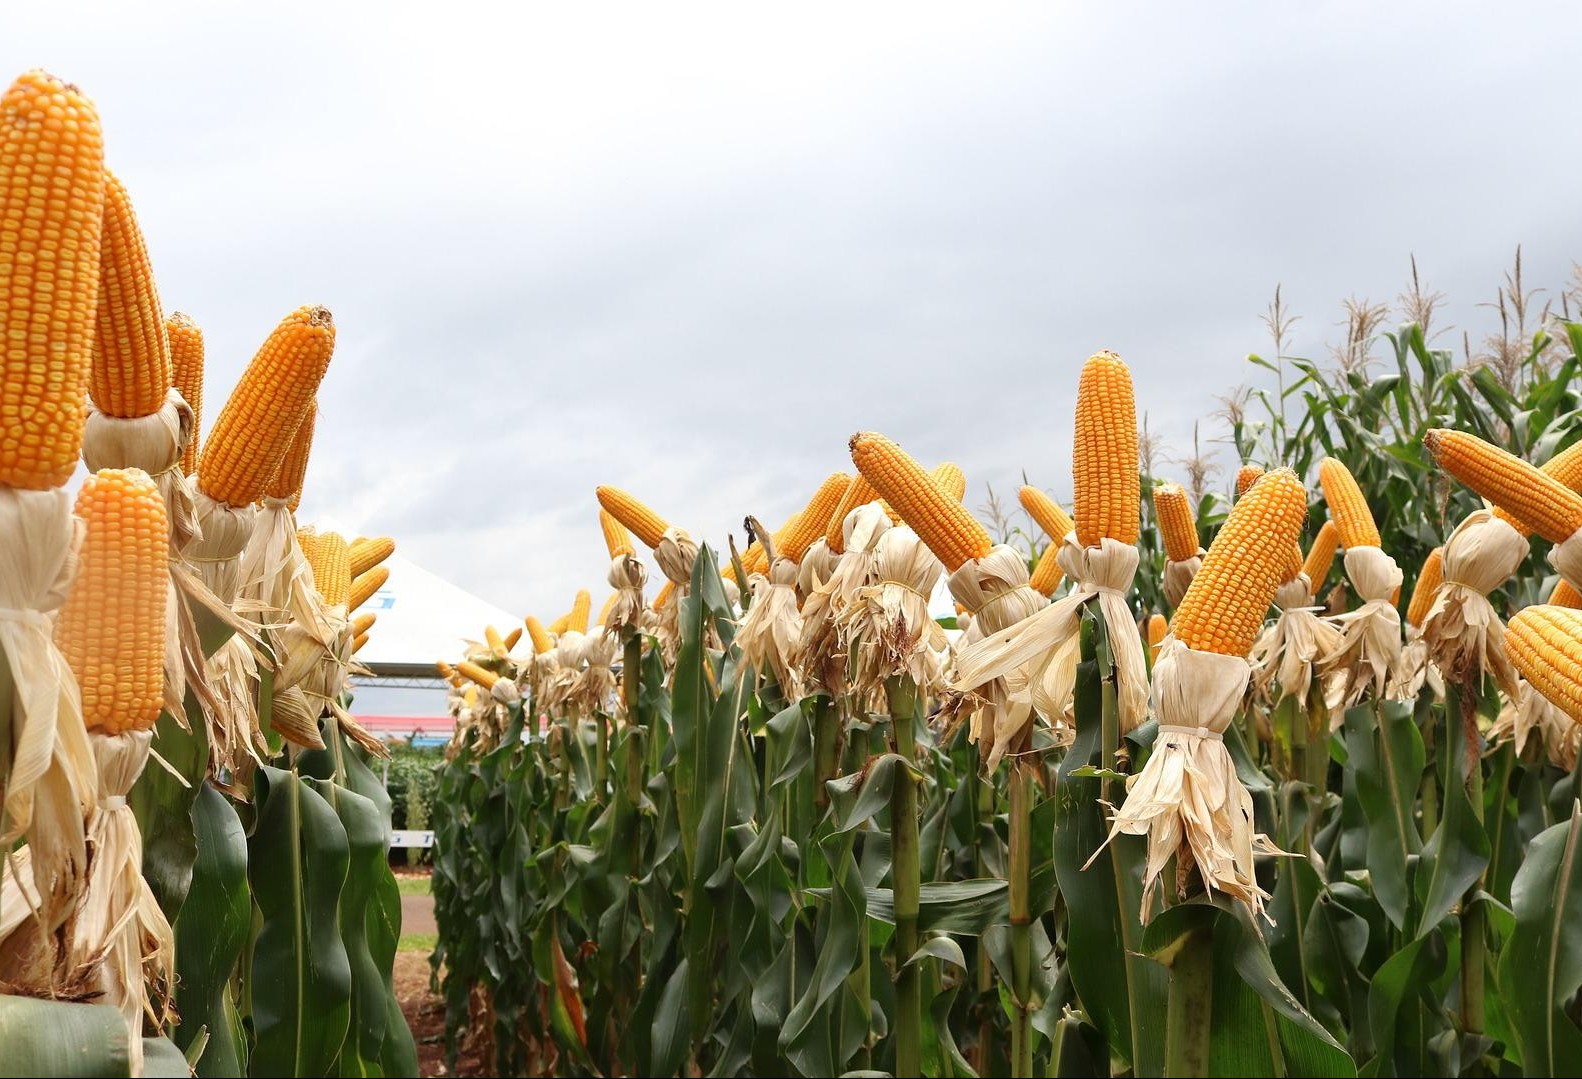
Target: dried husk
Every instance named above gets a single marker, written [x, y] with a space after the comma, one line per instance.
[627, 577]
[51, 781]
[1369, 653]
[1566, 558]
[1178, 577]
[594, 686]
[816, 567]
[275, 578]
[1188, 800]
[223, 532]
[675, 554]
[770, 633]
[1530, 721]
[1416, 670]
[1287, 651]
[885, 625]
[1462, 632]
[822, 652]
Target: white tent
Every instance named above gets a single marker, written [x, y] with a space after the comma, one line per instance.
[423, 618]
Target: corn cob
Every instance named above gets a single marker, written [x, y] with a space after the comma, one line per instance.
[577, 618]
[365, 585]
[617, 540]
[256, 426]
[542, 642]
[1566, 467]
[368, 553]
[474, 673]
[446, 671]
[799, 533]
[186, 363]
[1545, 644]
[1225, 607]
[644, 523]
[364, 622]
[1247, 475]
[859, 492]
[662, 597]
[1428, 582]
[1347, 508]
[496, 643]
[604, 611]
[1104, 459]
[951, 479]
[332, 575]
[1526, 493]
[510, 638]
[1293, 563]
[358, 640]
[51, 217]
[942, 523]
[1158, 627]
[1047, 574]
[287, 483]
[1046, 513]
[560, 625]
[131, 356]
[1321, 555]
[1177, 524]
[1564, 595]
[112, 626]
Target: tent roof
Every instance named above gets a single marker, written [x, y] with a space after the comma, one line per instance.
[423, 618]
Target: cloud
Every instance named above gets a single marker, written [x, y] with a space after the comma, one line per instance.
[690, 250]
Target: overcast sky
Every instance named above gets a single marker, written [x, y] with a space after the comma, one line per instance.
[689, 250]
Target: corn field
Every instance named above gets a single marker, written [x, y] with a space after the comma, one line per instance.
[1275, 780]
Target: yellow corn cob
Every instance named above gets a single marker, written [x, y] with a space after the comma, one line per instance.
[799, 533]
[604, 611]
[367, 553]
[445, 669]
[1177, 523]
[112, 626]
[951, 479]
[358, 640]
[287, 483]
[470, 697]
[1158, 628]
[1564, 595]
[542, 642]
[1545, 644]
[1247, 475]
[644, 523]
[131, 355]
[1293, 563]
[577, 617]
[941, 522]
[51, 217]
[510, 638]
[474, 673]
[365, 585]
[1428, 582]
[1046, 513]
[1104, 460]
[1566, 467]
[332, 572]
[662, 597]
[1347, 508]
[186, 362]
[1321, 555]
[859, 492]
[1225, 606]
[1528, 494]
[261, 417]
[307, 539]
[1047, 574]
[496, 643]
[364, 622]
[559, 625]
[617, 540]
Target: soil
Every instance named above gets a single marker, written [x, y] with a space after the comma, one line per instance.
[425, 1010]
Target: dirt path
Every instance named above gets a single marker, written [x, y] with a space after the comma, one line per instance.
[417, 914]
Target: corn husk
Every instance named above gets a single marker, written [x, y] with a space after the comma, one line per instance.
[1417, 670]
[1188, 800]
[50, 779]
[1178, 577]
[816, 567]
[822, 651]
[885, 625]
[1566, 558]
[593, 688]
[1462, 632]
[770, 633]
[627, 576]
[1535, 725]
[1286, 653]
[675, 554]
[1369, 653]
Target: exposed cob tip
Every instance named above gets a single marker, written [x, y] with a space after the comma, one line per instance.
[1565, 467]
[186, 361]
[1177, 522]
[1158, 627]
[1321, 556]
[940, 521]
[1527, 494]
[801, 531]
[1247, 475]
[951, 479]
[542, 641]
[366, 553]
[1046, 513]
[364, 587]
[1047, 574]
[1565, 595]
[1108, 493]
[293, 471]
[131, 348]
[617, 540]
[328, 556]
[1347, 506]
[1428, 582]
[510, 638]
[643, 522]
[495, 643]
[474, 673]
[1225, 607]
[581, 608]
[1545, 644]
[859, 492]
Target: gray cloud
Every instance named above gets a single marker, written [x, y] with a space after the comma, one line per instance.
[690, 251]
